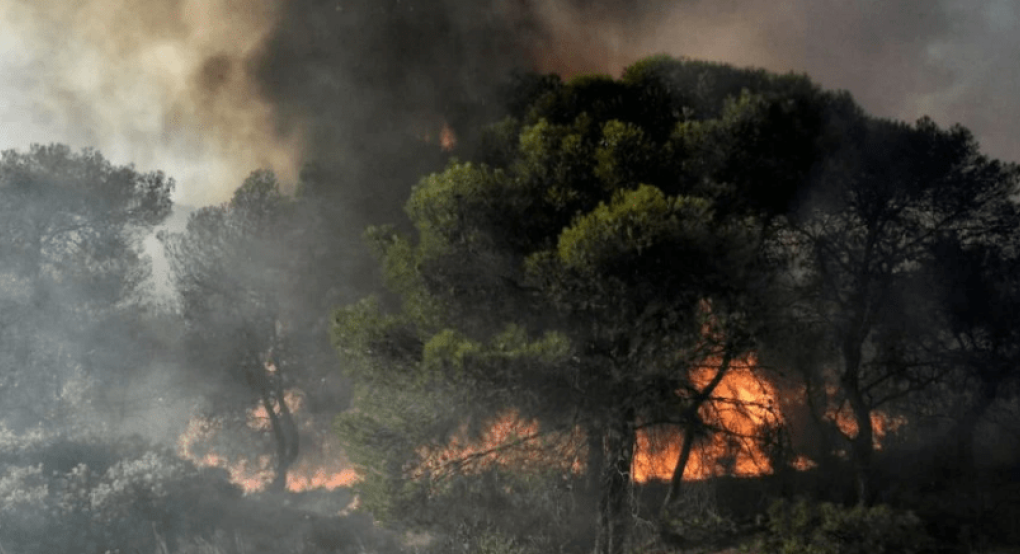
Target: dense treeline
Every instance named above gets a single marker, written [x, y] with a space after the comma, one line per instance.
[613, 237]
[590, 271]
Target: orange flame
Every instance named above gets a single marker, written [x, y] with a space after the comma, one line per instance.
[324, 469]
[741, 404]
[321, 479]
[881, 423]
[446, 137]
[739, 407]
[199, 430]
[510, 442]
[258, 418]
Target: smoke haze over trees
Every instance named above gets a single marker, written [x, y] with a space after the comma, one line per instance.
[208, 90]
[584, 269]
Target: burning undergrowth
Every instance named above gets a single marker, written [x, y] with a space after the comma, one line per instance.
[350, 103]
[322, 466]
[746, 435]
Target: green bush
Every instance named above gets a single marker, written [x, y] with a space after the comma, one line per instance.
[803, 527]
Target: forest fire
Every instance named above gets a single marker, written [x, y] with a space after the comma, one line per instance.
[511, 442]
[743, 423]
[447, 138]
[322, 469]
[882, 424]
[514, 350]
[741, 406]
[741, 412]
[741, 416]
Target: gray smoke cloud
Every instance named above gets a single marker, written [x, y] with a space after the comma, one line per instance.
[210, 89]
[154, 83]
[950, 59]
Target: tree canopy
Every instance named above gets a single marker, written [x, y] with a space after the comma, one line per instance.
[606, 275]
[613, 237]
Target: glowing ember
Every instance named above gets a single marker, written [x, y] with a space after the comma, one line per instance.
[447, 138]
[802, 463]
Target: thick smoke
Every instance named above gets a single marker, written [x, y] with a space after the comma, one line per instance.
[351, 98]
[209, 90]
[950, 59]
[160, 83]
[360, 89]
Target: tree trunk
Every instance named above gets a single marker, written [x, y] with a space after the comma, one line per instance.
[285, 437]
[690, 428]
[863, 447]
[676, 482]
[613, 518]
[862, 444]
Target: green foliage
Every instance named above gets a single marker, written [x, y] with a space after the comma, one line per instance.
[803, 527]
[634, 222]
[569, 273]
[360, 331]
[448, 348]
[511, 347]
[625, 157]
[259, 194]
[228, 268]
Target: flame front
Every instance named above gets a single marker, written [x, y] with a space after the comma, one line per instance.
[321, 468]
[742, 414]
[740, 407]
[510, 442]
[739, 413]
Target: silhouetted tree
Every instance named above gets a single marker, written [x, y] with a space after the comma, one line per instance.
[982, 304]
[866, 241]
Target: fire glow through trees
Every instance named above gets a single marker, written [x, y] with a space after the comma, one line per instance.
[742, 415]
[323, 468]
[741, 411]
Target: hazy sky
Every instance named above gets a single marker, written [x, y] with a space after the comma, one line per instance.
[176, 84]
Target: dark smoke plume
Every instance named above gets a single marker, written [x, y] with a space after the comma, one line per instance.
[209, 90]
